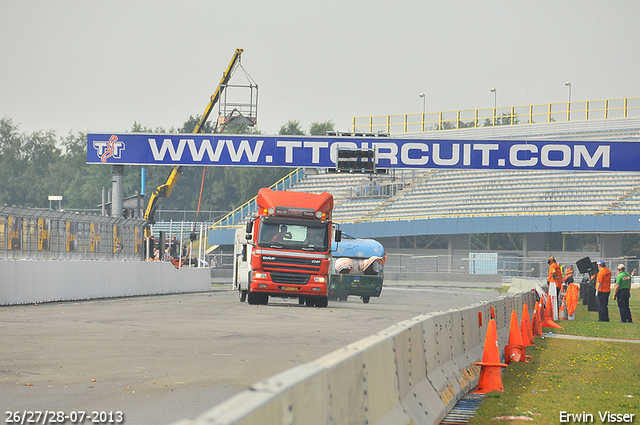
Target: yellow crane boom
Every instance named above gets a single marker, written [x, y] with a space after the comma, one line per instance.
[164, 190]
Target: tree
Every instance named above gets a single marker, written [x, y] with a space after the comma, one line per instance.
[33, 166]
[321, 128]
[26, 161]
[191, 123]
[80, 183]
[504, 119]
[224, 187]
[468, 124]
[291, 128]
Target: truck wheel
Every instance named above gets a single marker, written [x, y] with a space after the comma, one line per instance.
[322, 302]
[264, 299]
[310, 301]
[365, 300]
[300, 300]
[242, 295]
[253, 298]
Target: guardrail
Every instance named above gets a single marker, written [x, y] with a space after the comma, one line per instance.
[42, 234]
[507, 115]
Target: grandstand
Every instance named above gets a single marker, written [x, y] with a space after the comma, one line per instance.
[457, 193]
[457, 203]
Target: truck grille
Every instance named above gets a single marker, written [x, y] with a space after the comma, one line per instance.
[291, 265]
[291, 278]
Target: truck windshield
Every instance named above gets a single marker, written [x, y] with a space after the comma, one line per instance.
[308, 237]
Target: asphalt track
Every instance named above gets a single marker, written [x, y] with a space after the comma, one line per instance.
[163, 358]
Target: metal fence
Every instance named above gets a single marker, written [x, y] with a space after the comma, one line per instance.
[507, 264]
[506, 115]
[42, 234]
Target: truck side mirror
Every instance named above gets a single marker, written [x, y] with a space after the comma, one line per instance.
[249, 227]
[338, 237]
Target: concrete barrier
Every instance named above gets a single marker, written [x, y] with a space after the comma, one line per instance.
[413, 372]
[222, 276]
[36, 281]
[519, 284]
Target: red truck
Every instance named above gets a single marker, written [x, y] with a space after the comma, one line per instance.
[284, 251]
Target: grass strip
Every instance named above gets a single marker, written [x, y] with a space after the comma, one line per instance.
[588, 379]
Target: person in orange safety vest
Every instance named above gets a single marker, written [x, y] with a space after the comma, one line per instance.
[603, 289]
[555, 274]
[568, 278]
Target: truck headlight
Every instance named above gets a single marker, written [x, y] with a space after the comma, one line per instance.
[259, 275]
[319, 279]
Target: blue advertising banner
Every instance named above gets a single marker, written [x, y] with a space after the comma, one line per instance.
[320, 151]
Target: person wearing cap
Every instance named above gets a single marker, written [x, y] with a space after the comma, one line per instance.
[603, 289]
[555, 274]
[622, 294]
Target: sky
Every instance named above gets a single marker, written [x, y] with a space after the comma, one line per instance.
[100, 66]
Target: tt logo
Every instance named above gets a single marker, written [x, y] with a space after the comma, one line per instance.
[113, 147]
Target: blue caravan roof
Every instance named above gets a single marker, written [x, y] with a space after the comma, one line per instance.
[357, 248]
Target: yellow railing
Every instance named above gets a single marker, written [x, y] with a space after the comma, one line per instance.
[506, 115]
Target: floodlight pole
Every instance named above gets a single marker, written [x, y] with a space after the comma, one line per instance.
[568, 83]
[495, 103]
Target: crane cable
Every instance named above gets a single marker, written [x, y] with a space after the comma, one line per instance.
[195, 223]
[252, 83]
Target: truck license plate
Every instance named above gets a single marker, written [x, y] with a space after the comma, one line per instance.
[290, 288]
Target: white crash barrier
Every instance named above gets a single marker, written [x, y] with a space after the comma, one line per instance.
[413, 372]
[37, 281]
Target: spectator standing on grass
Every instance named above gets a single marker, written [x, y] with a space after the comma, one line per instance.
[622, 294]
[603, 289]
[568, 278]
[555, 274]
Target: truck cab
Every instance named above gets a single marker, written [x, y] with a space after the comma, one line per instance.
[286, 248]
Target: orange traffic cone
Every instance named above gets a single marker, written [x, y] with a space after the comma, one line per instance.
[548, 317]
[491, 372]
[514, 351]
[562, 314]
[525, 327]
[537, 322]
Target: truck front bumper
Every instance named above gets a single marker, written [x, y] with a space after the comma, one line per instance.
[266, 286]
